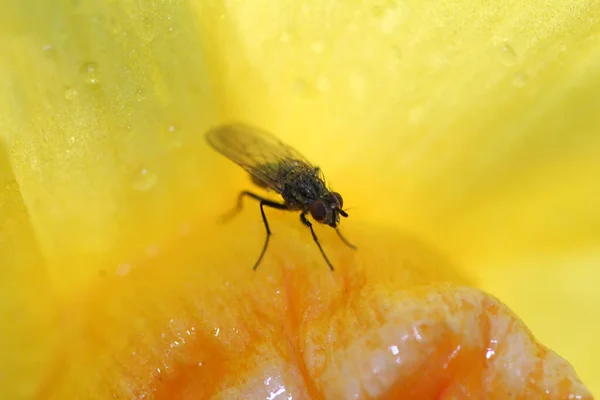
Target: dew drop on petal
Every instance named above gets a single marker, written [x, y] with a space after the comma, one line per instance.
[507, 54]
[175, 136]
[123, 269]
[90, 73]
[153, 251]
[49, 50]
[12, 186]
[140, 95]
[71, 94]
[520, 80]
[144, 180]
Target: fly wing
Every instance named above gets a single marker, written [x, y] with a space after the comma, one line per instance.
[260, 153]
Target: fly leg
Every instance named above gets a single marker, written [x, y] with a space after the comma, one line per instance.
[236, 210]
[353, 247]
[272, 204]
[337, 230]
[263, 203]
[307, 223]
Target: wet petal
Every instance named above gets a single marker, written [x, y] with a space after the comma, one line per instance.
[369, 330]
[104, 138]
[102, 82]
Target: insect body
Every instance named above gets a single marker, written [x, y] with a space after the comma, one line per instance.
[276, 166]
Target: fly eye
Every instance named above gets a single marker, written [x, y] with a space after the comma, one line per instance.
[339, 198]
[318, 210]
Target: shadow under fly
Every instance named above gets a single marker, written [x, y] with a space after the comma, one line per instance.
[273, 165]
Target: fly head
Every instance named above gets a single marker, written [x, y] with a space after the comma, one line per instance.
[327, 209]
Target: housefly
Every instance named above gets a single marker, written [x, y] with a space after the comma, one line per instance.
[273, 165]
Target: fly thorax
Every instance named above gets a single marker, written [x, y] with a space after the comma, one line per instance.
[302, 187]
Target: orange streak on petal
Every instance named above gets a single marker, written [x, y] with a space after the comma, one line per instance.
[183, 326]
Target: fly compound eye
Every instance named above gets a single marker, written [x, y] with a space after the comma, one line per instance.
[318, 210]
[339, 198]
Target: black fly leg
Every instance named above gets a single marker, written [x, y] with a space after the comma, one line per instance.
[345, 215]
[235, 210]
[272, 204]
[353, 247]
[263, 202]
[307, 223]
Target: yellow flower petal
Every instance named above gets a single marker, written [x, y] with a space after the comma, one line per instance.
[443, 106]
[105, 137]
[27, 302]
[472, 125]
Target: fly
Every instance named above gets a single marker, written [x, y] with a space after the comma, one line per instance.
[276, 166]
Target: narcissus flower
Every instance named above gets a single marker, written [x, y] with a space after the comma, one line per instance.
[462, 136]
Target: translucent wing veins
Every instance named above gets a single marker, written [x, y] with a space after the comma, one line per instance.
[260, 153]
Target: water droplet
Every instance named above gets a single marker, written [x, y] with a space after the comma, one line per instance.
[174, 136]
[90, 73]
[520, 80]
[34, 163]
[49, 50]
[71, 94]
[147, 31]
[12, 186]
[140, 95]
[507, 54]
[115, 26]
[153, 251]
[144, 181]
[123, 269]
